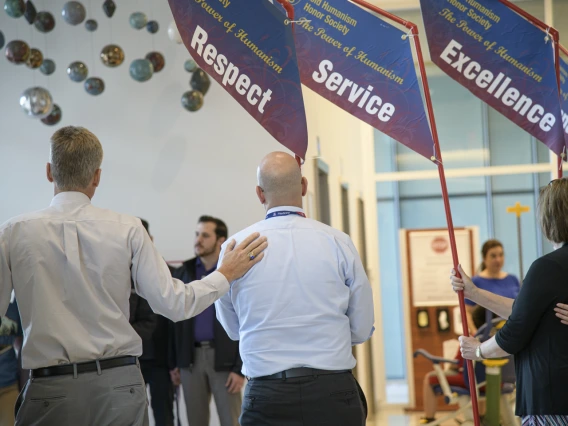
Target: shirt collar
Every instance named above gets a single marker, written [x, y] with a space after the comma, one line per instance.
[285, 208]
[200, 264]
[70, 197]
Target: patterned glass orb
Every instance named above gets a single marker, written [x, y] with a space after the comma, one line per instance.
[157, 59]
[31, 13]
[44, 22]
[94, 86]
[200, 81]
[190, 65]
[15, 8]
[73, 12]
[54, 117]
[112, 55]
[17, 52]
[36, 102]
[47, 67]
[35, 59]
[138, 20]
[141, 70]
[91, 25]
[109, 7]
[192, 100]
[152, 27]
[2, 40]
[77, 71]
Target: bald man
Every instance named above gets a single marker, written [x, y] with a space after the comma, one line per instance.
[298, 313]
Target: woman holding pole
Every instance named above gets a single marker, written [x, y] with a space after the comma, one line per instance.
[533, 332]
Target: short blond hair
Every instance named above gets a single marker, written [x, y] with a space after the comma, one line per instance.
[76, 155]
[553, 210]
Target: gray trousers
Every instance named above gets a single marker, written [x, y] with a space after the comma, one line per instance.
[117, 397]
[202, 381]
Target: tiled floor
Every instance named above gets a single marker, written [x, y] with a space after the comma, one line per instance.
[397, 417]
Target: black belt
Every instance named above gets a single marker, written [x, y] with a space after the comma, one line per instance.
[300, 372]
[84, 367]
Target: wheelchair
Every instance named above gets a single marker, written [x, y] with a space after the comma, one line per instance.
[461, 395]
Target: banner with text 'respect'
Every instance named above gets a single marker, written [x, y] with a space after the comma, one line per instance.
[564, 93]
[248, 48]
[501, 58]
[364, 65]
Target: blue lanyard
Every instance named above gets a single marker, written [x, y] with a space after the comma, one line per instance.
[283, 213]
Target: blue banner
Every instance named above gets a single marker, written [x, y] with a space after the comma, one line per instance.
[501, 58]
[564, 95]
[365, 66]
[248, 47]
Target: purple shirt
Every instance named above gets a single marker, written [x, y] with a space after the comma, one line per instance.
[204, 323]
[507, 287]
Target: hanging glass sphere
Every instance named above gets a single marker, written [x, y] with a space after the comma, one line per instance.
[15, 8]
[94, 86]
[17, 52]
[173, 33]
[109, 8]
[73, 12]
[35, 59]
[36, 102]
[141, 70]
[31, 13]
[157, 59]
[2, 40]
[77, 71]
[47, 67]
[200, 81]
[54, 116]
[138, 20]
[192, 100]
[112, 55]
[152, 27]
[190, 65]
[44, 22]
[91, 25]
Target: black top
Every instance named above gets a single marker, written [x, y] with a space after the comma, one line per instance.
[182, 349]
[538, 339]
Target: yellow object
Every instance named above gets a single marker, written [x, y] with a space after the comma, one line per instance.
[495, 362]
[518, 209]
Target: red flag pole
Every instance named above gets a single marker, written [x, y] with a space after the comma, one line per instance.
[290, 14]
[437, 159]
[553, 32]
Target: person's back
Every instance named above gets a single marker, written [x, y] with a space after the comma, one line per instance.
[299, 313]
[293, 308]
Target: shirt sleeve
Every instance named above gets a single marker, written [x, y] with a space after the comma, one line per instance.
[225, 310]
[166, 295]
[6, 284]
[361, 308]
[533, 301]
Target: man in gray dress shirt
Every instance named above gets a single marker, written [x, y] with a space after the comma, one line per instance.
[71, 267]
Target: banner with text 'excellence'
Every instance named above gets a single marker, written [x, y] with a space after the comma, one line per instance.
[249, 49]
[564, 93]
[501, 58]
[363, 65]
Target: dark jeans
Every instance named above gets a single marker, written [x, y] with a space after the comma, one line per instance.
[161, 392]
[330, 400]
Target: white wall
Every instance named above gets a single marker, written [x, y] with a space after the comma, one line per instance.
[162, 162]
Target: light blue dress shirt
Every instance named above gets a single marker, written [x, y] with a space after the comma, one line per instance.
[304, 305]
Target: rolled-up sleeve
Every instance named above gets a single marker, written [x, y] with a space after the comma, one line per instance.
[6, 284]
[168, 296]
[535, 298]
[361, 308]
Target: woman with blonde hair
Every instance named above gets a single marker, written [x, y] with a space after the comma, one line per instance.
[533, 332]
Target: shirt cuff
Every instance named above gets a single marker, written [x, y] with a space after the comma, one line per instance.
[219, 281]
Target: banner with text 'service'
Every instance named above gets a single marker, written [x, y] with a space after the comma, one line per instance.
[501, 58]
[363, 65]
[249, 49]
[564, 93]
